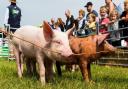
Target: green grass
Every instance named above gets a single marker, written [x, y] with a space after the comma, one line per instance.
[104, 77]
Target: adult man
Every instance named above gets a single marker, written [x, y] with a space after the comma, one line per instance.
[110, 6]
[90, 10]
[123, 15]
[69, 20]
[12, 16]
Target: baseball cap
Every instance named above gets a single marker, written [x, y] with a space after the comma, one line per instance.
[88, 4]
[14, 1]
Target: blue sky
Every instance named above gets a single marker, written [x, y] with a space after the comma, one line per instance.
[35, 11]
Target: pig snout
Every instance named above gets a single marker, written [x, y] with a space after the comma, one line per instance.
[67, 53]
[110, 48]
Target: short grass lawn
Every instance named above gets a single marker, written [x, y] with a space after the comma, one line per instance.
[104, 77]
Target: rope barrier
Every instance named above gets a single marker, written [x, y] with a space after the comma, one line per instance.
[7, 33]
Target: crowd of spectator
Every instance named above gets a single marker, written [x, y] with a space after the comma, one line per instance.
[109, 20]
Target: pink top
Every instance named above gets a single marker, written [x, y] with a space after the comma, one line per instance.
[103, 21]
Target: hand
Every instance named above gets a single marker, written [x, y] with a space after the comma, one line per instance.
[111, 22]
[78, 18]
[6, 25]
[123, 18]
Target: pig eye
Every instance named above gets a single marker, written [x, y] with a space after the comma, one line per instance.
[105, 42]
[57, 41]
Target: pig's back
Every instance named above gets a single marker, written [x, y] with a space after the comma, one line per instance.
[30, 33]
[27, 36]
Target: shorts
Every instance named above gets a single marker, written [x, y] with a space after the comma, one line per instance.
[13, 30]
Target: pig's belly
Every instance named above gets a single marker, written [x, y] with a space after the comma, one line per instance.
[29, 51]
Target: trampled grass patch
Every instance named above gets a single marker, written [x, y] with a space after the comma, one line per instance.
[104, 77]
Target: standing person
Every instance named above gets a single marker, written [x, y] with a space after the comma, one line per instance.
[57, 26]
[61, 24]
[13, 16]
[104, 20]
[90, 26]
[69, 20]
[52, 23]
[124, 24]
[90, 10]
[125, 9]
[110, 6]
[80, 23]
[114, 26]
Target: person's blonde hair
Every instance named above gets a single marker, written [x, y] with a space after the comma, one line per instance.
[82, 12]
[93, 16]
[114, 12]
[126, 1]
[103, 8]
[60, 21]
[14, 1]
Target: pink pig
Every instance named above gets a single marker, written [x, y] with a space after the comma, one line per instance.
[50, 45]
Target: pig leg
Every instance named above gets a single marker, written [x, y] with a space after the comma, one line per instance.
[33, 67]
[68, 67]
[40, 61]
[89, 70]
[18, 62]
[75, 67]
[22, 61]
[49, 70]
[58, 66]
[84, 69]
[28, 66]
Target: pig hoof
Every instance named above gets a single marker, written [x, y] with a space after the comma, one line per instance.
[20, 75]
[42, 81]
[92, 82]
[50, 80]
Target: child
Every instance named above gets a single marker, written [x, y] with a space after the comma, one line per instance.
[113, 27]
[104, 20]
[80, 23]
[90, 26]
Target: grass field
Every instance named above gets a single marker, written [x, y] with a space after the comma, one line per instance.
[105, 78]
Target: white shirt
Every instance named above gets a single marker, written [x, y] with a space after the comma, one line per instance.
[6, 16]
[80, 23]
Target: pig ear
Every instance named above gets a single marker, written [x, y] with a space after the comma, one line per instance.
[101, 38]
[47, 30]
[70, 31]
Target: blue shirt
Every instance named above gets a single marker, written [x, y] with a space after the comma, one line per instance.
[94, 12]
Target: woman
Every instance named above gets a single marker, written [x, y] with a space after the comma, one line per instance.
[61, 24]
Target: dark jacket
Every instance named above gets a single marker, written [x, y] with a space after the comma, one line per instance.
[123, 24]
[123, 14]
[69, 22]
[62, 27]
[14, 16]
[77, 24]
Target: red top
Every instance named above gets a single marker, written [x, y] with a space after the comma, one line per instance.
[102, 23]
